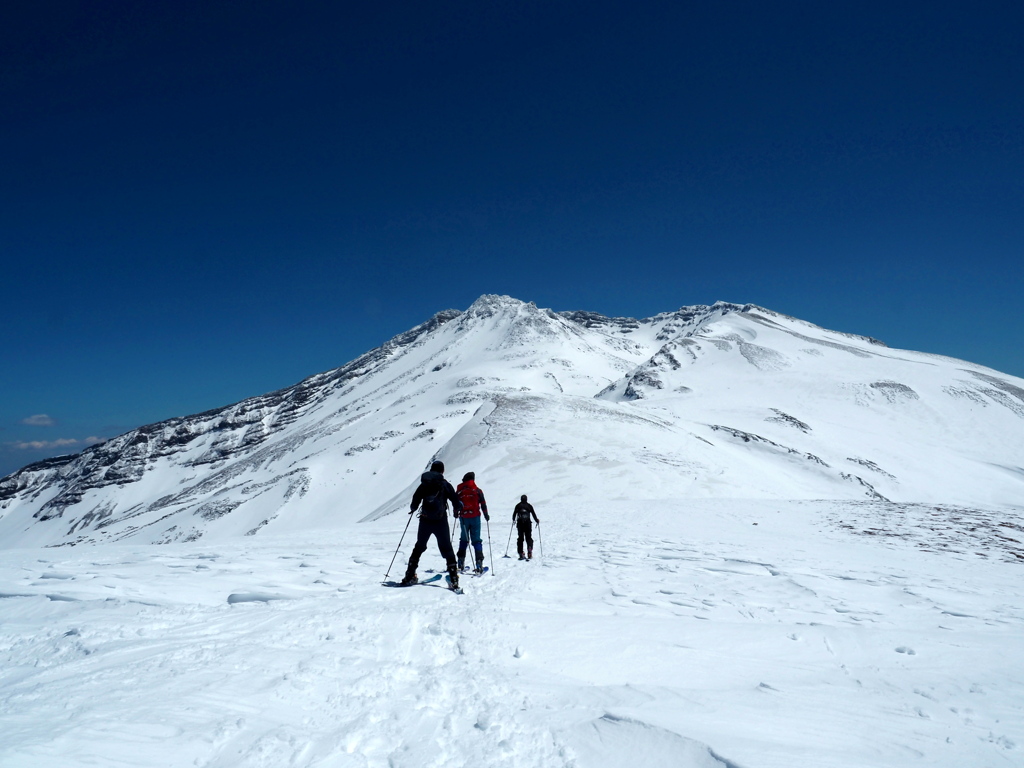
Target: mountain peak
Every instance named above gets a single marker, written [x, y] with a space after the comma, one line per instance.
[491, 304]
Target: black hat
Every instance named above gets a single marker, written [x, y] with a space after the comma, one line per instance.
[469, 476]
[437, 466]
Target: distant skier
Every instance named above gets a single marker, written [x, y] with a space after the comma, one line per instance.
[524, 524]
[473, 504]
[434, 492]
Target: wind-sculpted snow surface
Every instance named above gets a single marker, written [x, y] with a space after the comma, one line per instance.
[702, 634]
[723, 400]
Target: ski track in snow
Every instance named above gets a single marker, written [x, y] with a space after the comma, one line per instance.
[681, 635]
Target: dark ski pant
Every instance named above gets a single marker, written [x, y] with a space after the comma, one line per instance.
[471, 531]
[525, 531]
[439, 529]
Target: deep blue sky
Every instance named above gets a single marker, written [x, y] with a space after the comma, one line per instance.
[203, 201]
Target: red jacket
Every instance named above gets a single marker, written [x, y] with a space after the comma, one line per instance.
[472, 499]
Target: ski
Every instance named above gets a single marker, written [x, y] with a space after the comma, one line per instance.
[474, 573]
[456, 590]
[435, 577]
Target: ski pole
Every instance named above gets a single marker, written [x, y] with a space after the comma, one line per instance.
[489, 550]
[459, 520]
[509, 538]
[399, 545]
[540, 540]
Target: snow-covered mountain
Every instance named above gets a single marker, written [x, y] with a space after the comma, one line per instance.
[714, 401]
[763, 544]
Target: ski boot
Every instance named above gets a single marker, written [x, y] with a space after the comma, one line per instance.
[529, 554]
[453, 578]
[410, 579]
[479, 567]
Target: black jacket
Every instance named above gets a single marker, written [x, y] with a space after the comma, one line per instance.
[521, 514]
[435, 492]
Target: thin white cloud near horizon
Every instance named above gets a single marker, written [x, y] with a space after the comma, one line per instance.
[39, 420]
[45, 445]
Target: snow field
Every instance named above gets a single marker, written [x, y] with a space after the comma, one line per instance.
[741, 633]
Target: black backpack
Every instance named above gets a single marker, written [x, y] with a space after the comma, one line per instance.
[523, 511]
[435, 504]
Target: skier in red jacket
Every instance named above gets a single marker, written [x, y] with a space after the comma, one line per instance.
[473, 504]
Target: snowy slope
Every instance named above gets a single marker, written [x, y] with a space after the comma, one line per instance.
[720, 401]
[763, 544]
[742, 634]
[896, 424]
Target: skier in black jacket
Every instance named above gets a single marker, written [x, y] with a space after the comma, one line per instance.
[524, 524]
[434, 492]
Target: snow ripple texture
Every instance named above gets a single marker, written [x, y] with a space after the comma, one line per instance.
[712, 634]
